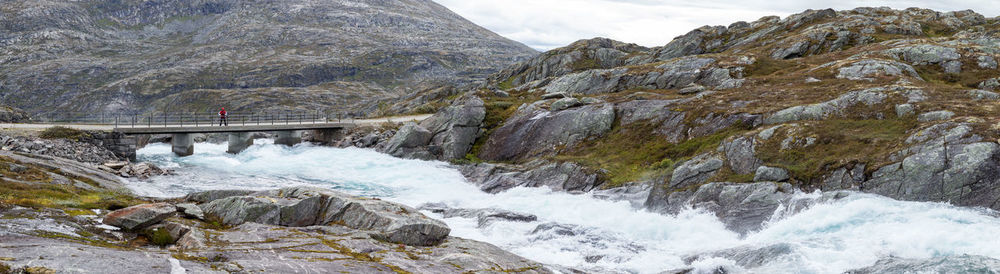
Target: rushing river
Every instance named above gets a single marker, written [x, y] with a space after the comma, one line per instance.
[594, 234]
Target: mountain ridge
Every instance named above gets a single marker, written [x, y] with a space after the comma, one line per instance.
[90, 56]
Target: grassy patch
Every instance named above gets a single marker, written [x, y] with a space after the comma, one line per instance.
[60, 132]
[765, 66]
[35, 189]
[161, 237]
[969, 78]
[634, 152]
[837, 144]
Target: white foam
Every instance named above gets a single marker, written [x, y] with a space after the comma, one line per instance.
[833, 237]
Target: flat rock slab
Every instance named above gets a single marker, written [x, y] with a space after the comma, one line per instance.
[138, 217]
[303, 206]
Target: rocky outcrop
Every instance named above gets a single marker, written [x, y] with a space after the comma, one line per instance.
[566, 176]
[819, 111]
[141, 216]
[869, 69]
[447, 135]
[945, 162]
[594, 53]
[250, 247]
[310, 206]
[87, 150]
[12, 115]
[935, 264]
[534, 131]
[675, 74]
[742, 207]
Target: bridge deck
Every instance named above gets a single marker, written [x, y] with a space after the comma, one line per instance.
[174, 129]
[233, 126]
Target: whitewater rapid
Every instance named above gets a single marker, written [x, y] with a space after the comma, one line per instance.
[594, 234]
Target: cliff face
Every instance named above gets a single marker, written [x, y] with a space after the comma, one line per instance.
[108, 55]
[735, 119]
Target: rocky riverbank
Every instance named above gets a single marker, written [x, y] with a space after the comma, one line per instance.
[62, 215]
[736, 119]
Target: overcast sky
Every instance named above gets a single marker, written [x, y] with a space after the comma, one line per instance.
[547, 24]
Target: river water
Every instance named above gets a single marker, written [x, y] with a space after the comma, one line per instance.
[593, 234]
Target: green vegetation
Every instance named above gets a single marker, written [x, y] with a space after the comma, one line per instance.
[969, 78]
[585, 63]
[838, 143]
[33, 187]
[60, 132]
[634, 152]
[161, 237]
[765, 66]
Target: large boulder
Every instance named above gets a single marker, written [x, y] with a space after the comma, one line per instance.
[534, 131]
[566, 176]
[410, 142]
[138, 217]
[303, 206]
[455, 128]
[946, 162]
[743, 208]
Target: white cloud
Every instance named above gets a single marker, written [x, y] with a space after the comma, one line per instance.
[547, 24]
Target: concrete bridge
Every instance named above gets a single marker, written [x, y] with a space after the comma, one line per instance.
[287, 132]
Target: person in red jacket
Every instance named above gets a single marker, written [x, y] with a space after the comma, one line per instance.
[222, 117]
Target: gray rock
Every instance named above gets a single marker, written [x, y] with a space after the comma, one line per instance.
[742, 207]
[13, 115]
[770, 174]
[942, 264]
[868, 97]
[986, 62]
[741, 154]
[990, 84]
[248, 248]
[137, 217]
[240, 209]
[191, 210]
[565, 103]
[978, 94]
[455, 128]
[533, 131]
[409, 138]
[954, 66]
[302, 206]
[935, 116]
[212, 195]
[694, 172]
[945, 162]
[193, 239]
[925, 54]
[691, 89]
[565, 176]
[904, 110]
[868, 68]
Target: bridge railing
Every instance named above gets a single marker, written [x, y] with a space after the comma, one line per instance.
[181, 119]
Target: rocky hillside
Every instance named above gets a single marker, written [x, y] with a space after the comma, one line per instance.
[103, 55]
[735, 118]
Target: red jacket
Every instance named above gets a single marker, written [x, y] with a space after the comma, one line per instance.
[222, 113]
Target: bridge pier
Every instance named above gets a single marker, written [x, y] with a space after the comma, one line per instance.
[183, 144]
[327, 136]
[288, 137]
[239, 141]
